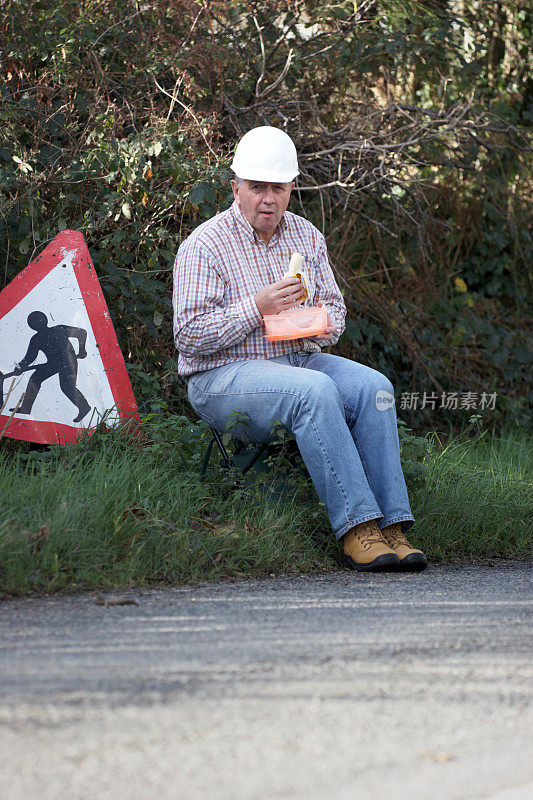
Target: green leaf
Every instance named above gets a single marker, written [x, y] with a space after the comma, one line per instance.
[197, 194]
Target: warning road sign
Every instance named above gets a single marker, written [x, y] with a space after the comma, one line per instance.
[61, 369]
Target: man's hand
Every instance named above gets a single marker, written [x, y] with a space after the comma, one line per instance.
[331, 328]
[82, 353]
[279, 296]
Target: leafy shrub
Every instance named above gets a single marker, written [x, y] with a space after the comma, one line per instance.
[120, 124]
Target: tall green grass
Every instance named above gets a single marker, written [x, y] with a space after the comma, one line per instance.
[117, 510]
[477, 499]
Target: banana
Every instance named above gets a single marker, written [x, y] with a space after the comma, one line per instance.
[295, 271]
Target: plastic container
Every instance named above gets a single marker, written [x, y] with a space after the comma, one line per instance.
[296, 323]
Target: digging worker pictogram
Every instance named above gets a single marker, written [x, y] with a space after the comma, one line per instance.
[62, 361]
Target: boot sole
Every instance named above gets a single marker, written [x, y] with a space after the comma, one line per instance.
[416, 562]
[384, 563]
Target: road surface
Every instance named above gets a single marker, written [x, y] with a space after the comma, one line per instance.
[339, 686]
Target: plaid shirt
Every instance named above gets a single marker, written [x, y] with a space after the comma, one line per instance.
[218, 270]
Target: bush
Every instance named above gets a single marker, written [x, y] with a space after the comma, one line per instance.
[120, 124]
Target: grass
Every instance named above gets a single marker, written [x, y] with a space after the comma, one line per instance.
[118, 511]
[477, 499]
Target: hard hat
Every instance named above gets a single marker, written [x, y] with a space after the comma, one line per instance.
[266, 154]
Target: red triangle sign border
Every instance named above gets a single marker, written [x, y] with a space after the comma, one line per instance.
[47, 432]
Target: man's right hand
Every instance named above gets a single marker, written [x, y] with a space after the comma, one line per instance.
[279, 296]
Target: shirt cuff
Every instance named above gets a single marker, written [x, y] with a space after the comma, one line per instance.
[251, 315]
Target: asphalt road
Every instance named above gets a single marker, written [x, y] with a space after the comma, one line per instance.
[342, 686]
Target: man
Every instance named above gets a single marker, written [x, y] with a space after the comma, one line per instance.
[227, 276]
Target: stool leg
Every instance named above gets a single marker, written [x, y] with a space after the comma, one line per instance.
[226, 460]
[205, 462]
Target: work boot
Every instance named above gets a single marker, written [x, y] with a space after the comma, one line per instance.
[411, 559]
[365, 549]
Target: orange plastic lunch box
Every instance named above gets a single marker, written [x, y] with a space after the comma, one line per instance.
[296, 323]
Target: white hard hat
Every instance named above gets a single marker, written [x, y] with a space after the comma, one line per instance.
[266, 154]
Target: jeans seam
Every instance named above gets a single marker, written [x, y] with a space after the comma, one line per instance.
[405, 518]
[249, 391]
[341, 490]
[354, 437]
[204, 416]
[357, 521]
[210, 421]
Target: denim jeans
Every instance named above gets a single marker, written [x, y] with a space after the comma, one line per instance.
[342, 416]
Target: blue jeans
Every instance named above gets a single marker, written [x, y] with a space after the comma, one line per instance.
[342, 416]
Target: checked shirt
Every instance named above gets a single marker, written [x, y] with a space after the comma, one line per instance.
[218, 270]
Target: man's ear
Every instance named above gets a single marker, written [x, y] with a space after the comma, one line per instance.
[235, 189]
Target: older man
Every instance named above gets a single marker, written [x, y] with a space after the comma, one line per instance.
[228, 274]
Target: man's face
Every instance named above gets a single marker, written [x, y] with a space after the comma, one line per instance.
[263, 204]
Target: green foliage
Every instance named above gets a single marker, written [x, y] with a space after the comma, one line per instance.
[415, 453]
[120, 510]
[477, 497]
[114, 509]
[118, 120]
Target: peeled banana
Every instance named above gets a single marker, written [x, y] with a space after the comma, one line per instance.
[295, 271]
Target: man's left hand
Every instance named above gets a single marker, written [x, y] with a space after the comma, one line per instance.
[331, 327]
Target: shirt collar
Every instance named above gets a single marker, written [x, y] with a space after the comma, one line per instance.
[249, 232]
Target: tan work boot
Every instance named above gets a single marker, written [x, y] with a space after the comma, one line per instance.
[365, 549]
[411, 559]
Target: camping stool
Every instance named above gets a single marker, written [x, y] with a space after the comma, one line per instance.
[244, 458]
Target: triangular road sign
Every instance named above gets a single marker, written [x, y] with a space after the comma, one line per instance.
[61, 368]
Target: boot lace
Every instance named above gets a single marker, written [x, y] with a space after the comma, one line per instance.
[395, 536]
[368, 535]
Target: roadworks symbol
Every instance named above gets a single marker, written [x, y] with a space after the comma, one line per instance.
[384, 400]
